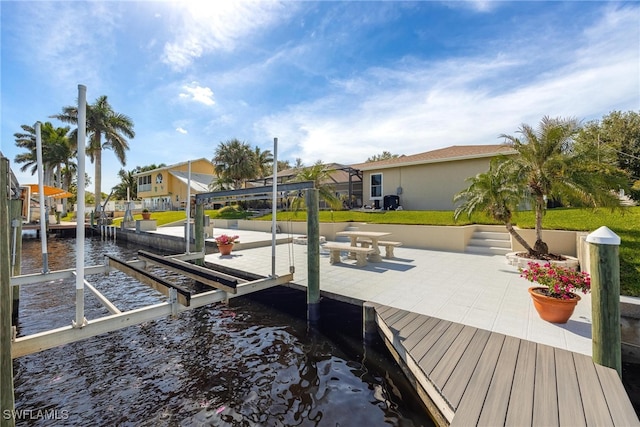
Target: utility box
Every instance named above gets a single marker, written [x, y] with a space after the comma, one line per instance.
[391, 202]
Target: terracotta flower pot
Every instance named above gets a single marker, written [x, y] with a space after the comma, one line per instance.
[146, 215]
[553, 310]
[225, 249]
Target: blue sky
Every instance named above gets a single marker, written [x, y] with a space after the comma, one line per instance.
[333, 81]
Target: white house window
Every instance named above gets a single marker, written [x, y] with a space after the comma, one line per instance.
[376, 186]
[159, 178]
[144, 183]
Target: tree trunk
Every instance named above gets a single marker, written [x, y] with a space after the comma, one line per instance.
[519, 238]
[98, 180]
[540, 246]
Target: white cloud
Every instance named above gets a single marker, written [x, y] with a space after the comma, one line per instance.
[194, 92]
[65, 47]
[467, 101]
[182, 131]
[206, 27]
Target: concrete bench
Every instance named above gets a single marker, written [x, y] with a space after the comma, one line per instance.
[360, 253]
[388, 246]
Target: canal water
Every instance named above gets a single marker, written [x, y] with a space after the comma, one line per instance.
[253, 362]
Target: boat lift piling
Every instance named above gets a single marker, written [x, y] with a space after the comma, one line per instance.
[15, 206]
[7, 402]
[80, 320]
[313, 256]
[43, 211]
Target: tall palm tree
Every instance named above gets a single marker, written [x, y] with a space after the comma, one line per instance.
[234, 162]
[321, 178]
[102, 122]
[548, 166]
[494, 192]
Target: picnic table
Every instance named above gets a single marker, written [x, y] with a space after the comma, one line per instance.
[373, 236]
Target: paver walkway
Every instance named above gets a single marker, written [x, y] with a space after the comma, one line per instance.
[475, 290]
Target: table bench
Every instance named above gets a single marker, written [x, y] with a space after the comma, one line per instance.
[360, 253]
[388, 246]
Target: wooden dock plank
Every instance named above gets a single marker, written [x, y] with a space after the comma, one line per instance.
[520, 411]
[420, 349]
[468, 412]
[442, 371]
[417, 335]
[439, 348]
[459, 378]
[420, 322]
[398, 315]
[387, 313]
[620, 407]
[545, 393]
[595, 406]
[406, 320]
[569, 399]
[494, 410]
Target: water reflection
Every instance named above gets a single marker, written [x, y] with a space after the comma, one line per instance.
[252, 362]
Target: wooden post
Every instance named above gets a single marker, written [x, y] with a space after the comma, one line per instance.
[199, 231]
[7, 402]
[313, 255]
[16, 254]
[605, 298]
[370, 328]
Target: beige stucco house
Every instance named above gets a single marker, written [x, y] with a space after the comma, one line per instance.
[166, 188]
[426, 181]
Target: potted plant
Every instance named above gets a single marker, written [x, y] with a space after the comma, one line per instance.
[225, 243]
[556, 297]
[146, 214]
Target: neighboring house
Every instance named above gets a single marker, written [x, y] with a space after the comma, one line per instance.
[426, 181]
[166, 188]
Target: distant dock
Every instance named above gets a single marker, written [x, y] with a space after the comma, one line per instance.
[64, 229]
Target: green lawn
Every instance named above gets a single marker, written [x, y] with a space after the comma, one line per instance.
[624, 222]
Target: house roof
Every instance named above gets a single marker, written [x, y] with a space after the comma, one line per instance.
[175, 165]
[448, 154]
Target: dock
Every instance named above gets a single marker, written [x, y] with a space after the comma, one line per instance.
[464, 329]
[475, 377]
[64, 229]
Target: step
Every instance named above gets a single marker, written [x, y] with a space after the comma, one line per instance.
[490, 242]
[493, 235]
[487, 250]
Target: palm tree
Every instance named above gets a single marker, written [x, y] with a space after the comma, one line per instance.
[263, 162]
[548, 166]
[494, 192]
[321, 178]
[57, 151]
[234, 162]
[102, 121]
[127, 182]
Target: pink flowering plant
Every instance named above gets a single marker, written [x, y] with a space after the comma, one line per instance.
[225, 239]
[561, 282]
